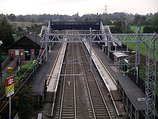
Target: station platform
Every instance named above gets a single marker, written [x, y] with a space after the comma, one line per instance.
[109, 82]
[42, 74]
[129, 92]
[52, 82]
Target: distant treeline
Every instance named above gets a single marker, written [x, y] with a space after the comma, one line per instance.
[105, 18]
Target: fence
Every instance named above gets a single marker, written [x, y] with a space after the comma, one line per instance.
[131, 74]
[140, 84]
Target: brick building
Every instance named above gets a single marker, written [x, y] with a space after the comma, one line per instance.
[28, 47]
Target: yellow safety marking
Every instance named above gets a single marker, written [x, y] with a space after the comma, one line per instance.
[54, 65]
[104, 67]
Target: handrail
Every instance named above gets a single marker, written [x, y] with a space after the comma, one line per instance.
[5, 59]
[42, 55]
[11, 64]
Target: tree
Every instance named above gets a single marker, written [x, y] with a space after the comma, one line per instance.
[143, 20]
[23, 102]
[12, 17]
[154, 21]
[140, 20]
[118, 24]
[6, 34]
[153, 26]
[20, 18]
[137, 20]
[148, 29]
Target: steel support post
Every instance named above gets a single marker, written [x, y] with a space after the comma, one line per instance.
[90, 58]
[136, 56]
[138, 62]
[46, 36]
[46, 49]
[108, 47]
[126, 47]
[0, 68]
[150, 80]
[0, 63]
[136, 53]
[9, 107]
[139, 46]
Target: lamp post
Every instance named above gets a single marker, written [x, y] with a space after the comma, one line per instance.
[0, 63]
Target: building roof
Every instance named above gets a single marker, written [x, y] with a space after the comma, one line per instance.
[28, 41]
[34, 37]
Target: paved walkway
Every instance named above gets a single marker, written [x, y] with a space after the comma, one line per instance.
[39, 81]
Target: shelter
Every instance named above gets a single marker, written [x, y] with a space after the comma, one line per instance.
[118, 56]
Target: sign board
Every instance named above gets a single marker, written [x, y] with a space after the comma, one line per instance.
[22, 53]
[16, 52]
[141, 99]
[9, 86]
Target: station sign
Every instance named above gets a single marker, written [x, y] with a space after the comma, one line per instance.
[9, 86]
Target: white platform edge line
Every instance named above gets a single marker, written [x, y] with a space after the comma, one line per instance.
[97, 64]
[57, 70]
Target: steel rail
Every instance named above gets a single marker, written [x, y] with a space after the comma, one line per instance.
[92, 99]
[65, 102]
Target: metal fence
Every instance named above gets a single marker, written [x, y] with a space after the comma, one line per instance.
[140, 84]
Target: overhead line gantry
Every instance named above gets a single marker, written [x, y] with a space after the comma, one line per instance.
[96, 32]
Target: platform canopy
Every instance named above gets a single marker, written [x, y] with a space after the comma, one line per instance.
[74, 25]
[120, 54]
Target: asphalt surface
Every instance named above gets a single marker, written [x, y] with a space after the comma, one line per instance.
[42, 74]
[132, 91]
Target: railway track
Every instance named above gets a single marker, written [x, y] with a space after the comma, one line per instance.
[99, 106]
[79, 95]
[68, 100]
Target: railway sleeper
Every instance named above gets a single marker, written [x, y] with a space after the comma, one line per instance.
[68, 112]
[101, 113]
[68, 109]
[68, 117]
[102, 117]
[99, 107]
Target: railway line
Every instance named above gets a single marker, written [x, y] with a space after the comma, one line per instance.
[68, 105]
[80, 94]
[99, 106]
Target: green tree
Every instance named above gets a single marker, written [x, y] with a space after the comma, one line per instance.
[137, 20]
[154, 21]
[118, 24]
[6, 34]
[153, 27]
[12, 17]
[148, 29]
[23, 102]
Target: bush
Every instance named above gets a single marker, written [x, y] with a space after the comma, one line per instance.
[148, 29]
[116, 30]
[23, 102]
[26, 67]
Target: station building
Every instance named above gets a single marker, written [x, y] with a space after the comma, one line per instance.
[27, 47]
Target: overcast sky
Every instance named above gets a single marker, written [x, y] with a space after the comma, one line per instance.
[71, 7]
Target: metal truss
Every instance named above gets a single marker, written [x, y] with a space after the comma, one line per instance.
[149, 39]
[150, 80]
[54, 38]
